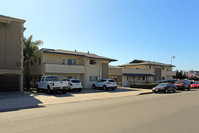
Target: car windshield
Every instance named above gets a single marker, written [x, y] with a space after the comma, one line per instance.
[162, 85]
[75, 81]
[111, 80]
[179, 82]
[52, 78]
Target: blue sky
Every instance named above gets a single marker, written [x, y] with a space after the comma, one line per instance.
[121, 29]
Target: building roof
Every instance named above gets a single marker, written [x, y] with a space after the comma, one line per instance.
[143, 62]
[7, 19]
[66, 52]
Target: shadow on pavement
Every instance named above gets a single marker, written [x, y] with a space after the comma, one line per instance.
[14, 101]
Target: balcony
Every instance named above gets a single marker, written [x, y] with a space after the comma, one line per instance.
[137, 71]
[172, 73]
[59, 68]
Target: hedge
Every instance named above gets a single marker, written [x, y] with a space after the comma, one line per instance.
[143, 85]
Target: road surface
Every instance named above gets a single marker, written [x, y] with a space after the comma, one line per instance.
[152, 113]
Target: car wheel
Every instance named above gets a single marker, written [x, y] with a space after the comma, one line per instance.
[79, 90]
[183, 88]
[64, 92]
[37, 89]
[49, 91]
[174, 89]
[113, 89]
[188, 88]
[104, 88]
[93, 86]
[166, 91]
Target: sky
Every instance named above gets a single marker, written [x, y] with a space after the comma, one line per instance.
[125, 30]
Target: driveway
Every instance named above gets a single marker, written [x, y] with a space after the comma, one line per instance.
[10, 101]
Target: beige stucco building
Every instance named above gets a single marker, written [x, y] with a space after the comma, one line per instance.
[140, 71]
[11, 53]
[86, 67]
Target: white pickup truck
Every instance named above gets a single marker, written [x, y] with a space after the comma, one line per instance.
[52, 83]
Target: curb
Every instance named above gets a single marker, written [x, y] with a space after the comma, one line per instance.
[145, 93]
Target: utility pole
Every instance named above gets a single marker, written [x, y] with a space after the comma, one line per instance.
[172, 57]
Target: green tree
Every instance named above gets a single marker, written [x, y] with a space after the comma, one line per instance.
[180, 75]
[30, 49]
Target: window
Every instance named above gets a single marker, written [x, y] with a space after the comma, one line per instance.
[31, 62]
[71, 61]
[143, 78]
[71, 77]
[150, 67]
[93, 62]
[39, 60]
[63, 61]
[93, 78]
[163, 78]
[138, 78]
[162, 68]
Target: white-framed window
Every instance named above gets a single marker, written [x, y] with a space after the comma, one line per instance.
[93, 62]
[150, 67]
[71, 61]
[93, 78]
[72, 77]
[63, 61]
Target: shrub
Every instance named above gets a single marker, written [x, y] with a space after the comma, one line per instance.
[144, 85]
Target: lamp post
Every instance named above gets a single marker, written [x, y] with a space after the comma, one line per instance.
[172, 57]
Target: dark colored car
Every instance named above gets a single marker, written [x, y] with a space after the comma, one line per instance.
[164, 87]
[182, 84]
[195, 85]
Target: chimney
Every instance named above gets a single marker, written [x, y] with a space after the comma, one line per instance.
[75, 50]
[88, 52]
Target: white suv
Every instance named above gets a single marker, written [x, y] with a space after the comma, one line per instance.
[74, 84]
[105, 84]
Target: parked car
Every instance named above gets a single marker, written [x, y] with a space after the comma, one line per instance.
[182, 84]
[74, 84]
[195, 85]
[164, 87]
[105, 84]
[52, 83]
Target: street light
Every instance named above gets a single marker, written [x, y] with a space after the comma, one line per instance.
[172, 57]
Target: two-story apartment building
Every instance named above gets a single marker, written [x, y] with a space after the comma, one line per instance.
[11, 53]
[140, 71]
[86, 67]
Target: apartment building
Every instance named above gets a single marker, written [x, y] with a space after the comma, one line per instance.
[141, 71]
[11, 53]
[86, 67]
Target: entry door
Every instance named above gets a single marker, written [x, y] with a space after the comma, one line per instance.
[157, 74]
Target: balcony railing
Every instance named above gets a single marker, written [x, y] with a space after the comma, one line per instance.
[137, 71]
[171, 73]
[59, 68]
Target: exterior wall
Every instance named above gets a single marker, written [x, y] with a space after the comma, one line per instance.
[138, 71]
[11, 48]
[51, 65]
[50, 58]
[166, 73]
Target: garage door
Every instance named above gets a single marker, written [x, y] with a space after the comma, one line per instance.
[9, 82]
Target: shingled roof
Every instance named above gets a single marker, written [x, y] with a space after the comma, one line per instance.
[66, 52]
[143, 62]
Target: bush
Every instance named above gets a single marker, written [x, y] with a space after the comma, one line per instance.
[144, 85]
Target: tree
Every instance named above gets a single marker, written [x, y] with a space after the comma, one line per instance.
[180, 75]
[30, 49]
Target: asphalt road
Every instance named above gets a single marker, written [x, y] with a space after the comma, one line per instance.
[152, 113]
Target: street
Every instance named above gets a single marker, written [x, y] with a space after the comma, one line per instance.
[151, 113]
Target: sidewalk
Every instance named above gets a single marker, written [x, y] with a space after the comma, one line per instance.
[12, 101]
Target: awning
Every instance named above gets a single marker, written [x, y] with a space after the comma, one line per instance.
[137, 74]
